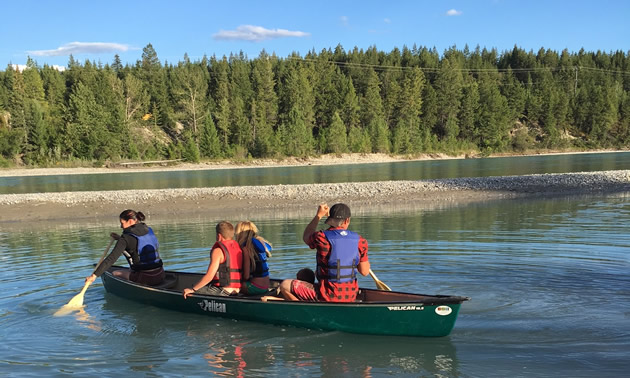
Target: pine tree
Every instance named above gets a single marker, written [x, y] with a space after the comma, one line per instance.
[33, 85]
[515, 94]
[117, 66]
[264, 106]
[469, 111]
[221, 96]
[380, 135]
[493, 122]
[297, 104]
[209, 144]
[448, 87]
[372, 114]
[335, 137]
[295, 135]
[409, 111]
[189, 91]
[154, 78]
[241, 94]
[429, 116]
[403, 136]
[17, 108]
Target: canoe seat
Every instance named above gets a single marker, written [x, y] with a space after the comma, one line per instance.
[170, 281]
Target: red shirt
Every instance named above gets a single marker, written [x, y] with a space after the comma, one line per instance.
[335, 291]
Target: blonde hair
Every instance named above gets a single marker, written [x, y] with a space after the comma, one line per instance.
[245, 232]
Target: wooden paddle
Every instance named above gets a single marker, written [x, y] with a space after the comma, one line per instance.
[77, 300]
[379, 284]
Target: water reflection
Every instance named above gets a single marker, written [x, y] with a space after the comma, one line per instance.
[405, 170]
[548, 278]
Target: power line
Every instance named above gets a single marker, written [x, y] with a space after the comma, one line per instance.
[473, 70]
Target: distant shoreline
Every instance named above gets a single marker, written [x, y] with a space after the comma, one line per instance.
[267, 163]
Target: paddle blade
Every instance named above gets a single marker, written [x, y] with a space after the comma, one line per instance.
[77, 300]
[67, 310]
[75, 303]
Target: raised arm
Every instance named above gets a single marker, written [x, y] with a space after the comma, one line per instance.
[322, 210]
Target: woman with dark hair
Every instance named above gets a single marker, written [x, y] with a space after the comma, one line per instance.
[139, 245]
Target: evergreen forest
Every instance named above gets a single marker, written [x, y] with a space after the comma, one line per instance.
[403, 102]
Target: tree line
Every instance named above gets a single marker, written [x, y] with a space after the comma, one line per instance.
[408, 101]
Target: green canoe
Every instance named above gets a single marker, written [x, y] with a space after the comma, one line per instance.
[375, 312]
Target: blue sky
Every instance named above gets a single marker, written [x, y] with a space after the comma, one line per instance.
[97, 30]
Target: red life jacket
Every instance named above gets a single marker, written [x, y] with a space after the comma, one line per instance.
[231, 270]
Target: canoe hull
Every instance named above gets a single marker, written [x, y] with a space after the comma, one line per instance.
[434, 316]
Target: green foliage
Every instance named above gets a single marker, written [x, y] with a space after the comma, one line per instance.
[190, 150]
[10, 142]
[522, 141]
[209, 145]
[405, 101]
[335, 138]
[359, 140]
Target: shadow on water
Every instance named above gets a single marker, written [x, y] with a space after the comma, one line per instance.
[164, 338]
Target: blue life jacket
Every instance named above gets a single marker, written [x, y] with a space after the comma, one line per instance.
[344, 256]
[262, 268]
[147, 248]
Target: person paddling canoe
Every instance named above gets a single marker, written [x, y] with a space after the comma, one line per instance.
[140, 246]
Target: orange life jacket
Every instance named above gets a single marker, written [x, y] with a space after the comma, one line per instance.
[231, 270]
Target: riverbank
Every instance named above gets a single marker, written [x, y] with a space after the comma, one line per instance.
[248, 202]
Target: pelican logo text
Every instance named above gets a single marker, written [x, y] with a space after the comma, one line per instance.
[212, 306]
[405, 308]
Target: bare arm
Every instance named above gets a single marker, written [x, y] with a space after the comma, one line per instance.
[364, 268]
[312, 227]
[216, 258]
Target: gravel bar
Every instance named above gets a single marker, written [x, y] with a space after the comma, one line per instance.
[510, 186]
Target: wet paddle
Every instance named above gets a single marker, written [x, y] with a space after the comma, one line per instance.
[77, 301]
[379, 284]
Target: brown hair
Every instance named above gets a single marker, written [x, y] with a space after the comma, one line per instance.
[131, 214]
[245, 232]
[306, 274]
[226, 230]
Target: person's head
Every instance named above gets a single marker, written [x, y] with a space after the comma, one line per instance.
[306, 274]
[245, 232]
[130, 217]
[226, 230]
[339, 215]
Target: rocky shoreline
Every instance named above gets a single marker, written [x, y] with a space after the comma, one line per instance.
[242, 200]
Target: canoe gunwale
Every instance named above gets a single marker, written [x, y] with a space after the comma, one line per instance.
[412, 298]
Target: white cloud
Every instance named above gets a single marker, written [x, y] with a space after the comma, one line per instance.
[387, 21]
[453, 12]
[22, 67]
[82, 48]
[256, 33]
[19, 67]
[345, 21]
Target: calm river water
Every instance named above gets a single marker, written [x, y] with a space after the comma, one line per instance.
[406, 170]
[548, 278]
